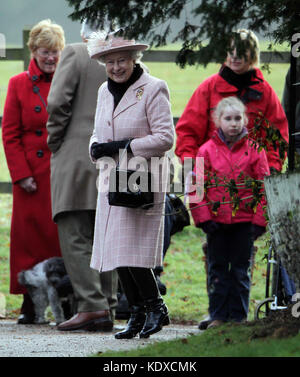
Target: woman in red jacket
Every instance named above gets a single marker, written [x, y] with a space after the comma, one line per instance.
[33, 234]
[230, 158]
[239, 77]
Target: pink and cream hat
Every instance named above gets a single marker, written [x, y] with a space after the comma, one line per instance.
[100, 44]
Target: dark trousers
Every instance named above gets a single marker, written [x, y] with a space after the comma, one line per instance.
[229, 254]
[139, 285]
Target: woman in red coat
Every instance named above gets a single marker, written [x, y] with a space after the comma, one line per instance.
[34, 235]
[237, 77]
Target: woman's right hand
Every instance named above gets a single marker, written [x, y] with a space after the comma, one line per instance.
[28, 184]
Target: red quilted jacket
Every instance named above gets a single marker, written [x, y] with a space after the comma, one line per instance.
[242, 161]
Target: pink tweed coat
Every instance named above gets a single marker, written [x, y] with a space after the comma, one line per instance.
[127, 236]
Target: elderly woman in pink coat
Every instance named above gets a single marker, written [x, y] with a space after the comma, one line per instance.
[132, 109]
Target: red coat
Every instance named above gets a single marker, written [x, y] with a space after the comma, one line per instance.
[230, 163]
[34, 236]
[196, 126]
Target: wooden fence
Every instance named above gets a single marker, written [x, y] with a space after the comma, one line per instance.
[23, 53]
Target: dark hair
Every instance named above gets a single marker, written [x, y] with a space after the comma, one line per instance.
[244, 40]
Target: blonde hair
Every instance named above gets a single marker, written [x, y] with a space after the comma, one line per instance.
[250, 42]
[229, 102]
[46, 34]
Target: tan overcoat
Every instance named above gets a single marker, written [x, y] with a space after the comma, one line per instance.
[71, 107]
[126, 236]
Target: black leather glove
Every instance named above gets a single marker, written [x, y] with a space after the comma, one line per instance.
[257, 231]
[209, 227]
[109, 149]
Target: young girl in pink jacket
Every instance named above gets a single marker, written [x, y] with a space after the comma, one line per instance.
[229, 216]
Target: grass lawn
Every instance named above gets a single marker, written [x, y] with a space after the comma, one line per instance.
[181, 82]
[230, 340]
[7, 70]
[12, 301]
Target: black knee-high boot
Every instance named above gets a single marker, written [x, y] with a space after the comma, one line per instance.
[156, 310]
[136, 305]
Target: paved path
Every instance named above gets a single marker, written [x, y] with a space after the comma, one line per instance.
[46, 341]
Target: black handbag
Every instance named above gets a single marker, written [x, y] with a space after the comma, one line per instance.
[130, 188]
[181, 217]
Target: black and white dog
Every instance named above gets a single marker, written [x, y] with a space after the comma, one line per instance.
[48, 284]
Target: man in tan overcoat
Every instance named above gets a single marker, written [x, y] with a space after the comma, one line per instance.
[71, 107]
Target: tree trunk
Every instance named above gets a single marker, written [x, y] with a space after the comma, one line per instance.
[283, 197]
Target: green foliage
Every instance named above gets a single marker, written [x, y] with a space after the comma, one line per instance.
[266, 135]
[185, 277]
[205, 41]
[252, 198]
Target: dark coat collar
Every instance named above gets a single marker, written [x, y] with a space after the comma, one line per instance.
[118, 90]
[252, 92]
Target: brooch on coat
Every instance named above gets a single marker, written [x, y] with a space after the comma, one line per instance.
[139, 93]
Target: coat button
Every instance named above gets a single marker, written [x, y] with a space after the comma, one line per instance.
[40, 153]
[108, 123]
[37, 109]
[39, 132]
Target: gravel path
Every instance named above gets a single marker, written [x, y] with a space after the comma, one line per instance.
[46, 341]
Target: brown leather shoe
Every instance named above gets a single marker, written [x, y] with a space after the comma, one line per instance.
[90, 321]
